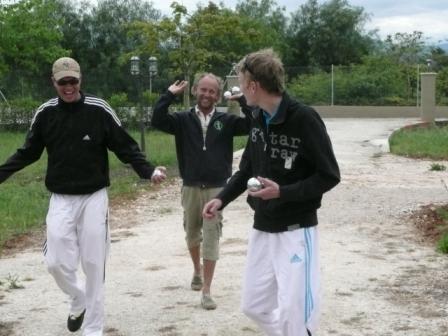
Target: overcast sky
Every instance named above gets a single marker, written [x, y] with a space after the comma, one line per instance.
[404, 16]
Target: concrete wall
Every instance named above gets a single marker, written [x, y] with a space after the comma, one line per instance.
[338, 111]
[427, 111]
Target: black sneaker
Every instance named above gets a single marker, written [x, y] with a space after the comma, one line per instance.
[75, 322]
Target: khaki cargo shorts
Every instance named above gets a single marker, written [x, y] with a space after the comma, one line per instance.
[198, 229]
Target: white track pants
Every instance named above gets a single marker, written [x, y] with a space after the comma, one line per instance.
[282, 282]
[77, 229]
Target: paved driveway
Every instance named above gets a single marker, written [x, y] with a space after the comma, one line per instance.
[378, 279]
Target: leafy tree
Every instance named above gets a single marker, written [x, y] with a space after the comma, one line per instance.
[331, 33]
[302, 33]
[210, 39]
[29, 43]
[97, 37]
[75, 27]
[406, 50]
[439, 59]
[270, 17]
[171, 37]
[228, 35]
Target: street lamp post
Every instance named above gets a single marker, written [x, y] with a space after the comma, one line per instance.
[152, 61]
[135, 65]
[135, 71]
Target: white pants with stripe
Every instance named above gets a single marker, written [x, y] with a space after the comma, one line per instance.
[281, 286]
[77, 230]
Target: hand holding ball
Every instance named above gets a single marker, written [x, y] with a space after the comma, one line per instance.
[253, 184]
[235, 90]
[157, 172]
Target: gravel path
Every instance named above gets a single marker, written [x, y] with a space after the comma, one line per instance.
[378, 277]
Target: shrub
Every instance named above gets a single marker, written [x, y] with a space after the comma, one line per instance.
[18, 116]
[125, 111]
[437, 167]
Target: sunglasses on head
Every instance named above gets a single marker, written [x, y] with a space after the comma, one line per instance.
[71, 81]
[248, 68]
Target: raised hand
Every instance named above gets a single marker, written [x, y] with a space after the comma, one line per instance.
[178, 87]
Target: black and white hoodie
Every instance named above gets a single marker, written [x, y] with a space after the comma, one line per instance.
[295, 151]
[76, 137]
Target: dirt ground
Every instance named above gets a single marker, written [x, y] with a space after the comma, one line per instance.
[380, 275]
[429, 223]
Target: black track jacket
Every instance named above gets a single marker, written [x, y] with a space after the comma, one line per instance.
[294, 151]
[76, 137]
[202, 163]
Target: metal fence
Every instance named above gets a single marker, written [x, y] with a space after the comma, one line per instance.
[324, 86]
[355, 85]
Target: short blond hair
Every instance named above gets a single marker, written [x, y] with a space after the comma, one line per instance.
[265, 67]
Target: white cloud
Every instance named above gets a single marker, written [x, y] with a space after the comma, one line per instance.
[390, 17]
[434, 25]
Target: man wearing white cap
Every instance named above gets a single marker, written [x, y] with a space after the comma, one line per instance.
[77, 130]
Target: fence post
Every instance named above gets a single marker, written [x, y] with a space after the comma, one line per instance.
[428, 96]
[332, 85]
[417, 94]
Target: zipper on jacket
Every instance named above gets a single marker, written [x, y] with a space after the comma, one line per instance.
[204, 136]
[204, 147]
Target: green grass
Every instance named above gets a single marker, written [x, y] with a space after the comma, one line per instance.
[430, 143]
[24, 198]
[442, 244]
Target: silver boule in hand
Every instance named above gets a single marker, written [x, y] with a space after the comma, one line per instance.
[254, 184]
[235, 90]
[157, 172]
